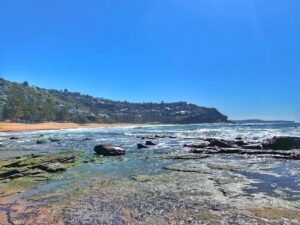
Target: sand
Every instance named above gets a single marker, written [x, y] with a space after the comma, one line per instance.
[15, 127]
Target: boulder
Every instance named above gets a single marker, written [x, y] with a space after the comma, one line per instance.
[109, 150]
[13, 138]
[150, 143]
[40, 142]
[140, 146]
[282, 143]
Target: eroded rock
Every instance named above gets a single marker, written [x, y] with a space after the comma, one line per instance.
[53, 167]
[109, 150]
[198, 145]
[282, 143]
[141, 146]
[54, 140]
[283, 154]
[155, 137]
[150, 143]
[34, 164]
[220, 143]
[252, 146]
[40, 142]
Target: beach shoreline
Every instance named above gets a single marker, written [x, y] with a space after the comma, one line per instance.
[20, 127]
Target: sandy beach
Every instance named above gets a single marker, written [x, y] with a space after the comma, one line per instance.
[15, 127]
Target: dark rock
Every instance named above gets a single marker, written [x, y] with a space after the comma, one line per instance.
[54, 140]
[9, 173]
[282, 143]
[87, 139]
[109, 150]
[155, 137]
[17, 173]
[278, 154]
[35, 161]
[239, 142]
[150, 143]
[13, 138]
[200, 145]
[141, 146]
[216, 151]
[220, 143]
[146, 137]
[167, 136]
[38, 166]
[39, 142]
[172, 137]
[184, 157]
[252, 146]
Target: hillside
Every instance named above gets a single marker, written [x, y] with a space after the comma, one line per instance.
[261, 121]
[25, 103]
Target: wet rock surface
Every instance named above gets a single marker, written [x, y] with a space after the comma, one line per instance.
[141, 146]
[150, 143]
[291, 155]
[156, 137]
[109, 150]
[278, 147]
[40, 142]
[37, 164]
[282, 143]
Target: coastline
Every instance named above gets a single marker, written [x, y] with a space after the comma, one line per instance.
[19, 127]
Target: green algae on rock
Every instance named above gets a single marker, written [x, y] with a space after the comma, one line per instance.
[38, 164]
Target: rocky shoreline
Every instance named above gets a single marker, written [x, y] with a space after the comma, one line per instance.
[277, 147]
[204, 181]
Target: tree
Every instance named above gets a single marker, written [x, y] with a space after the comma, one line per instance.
[31, 112]
[47, 110]
[62, 114]
[81, 119]
[14, 108]
[25, 83]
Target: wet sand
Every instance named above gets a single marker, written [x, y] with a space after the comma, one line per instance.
[15, 127]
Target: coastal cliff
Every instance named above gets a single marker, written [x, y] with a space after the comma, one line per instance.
[21, 102]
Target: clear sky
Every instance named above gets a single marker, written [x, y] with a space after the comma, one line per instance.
[240, 56]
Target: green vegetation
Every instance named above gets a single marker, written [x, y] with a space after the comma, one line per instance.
[25, 103]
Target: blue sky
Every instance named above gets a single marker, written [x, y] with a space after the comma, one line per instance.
[240, 56]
